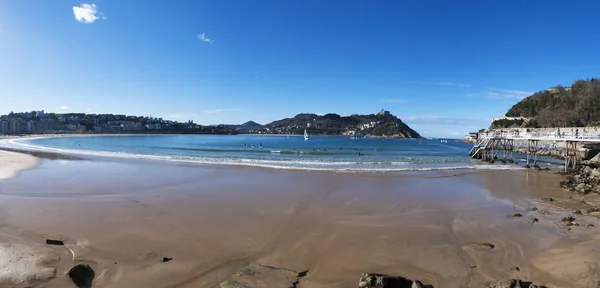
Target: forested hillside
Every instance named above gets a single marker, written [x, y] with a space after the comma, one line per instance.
[578, 105]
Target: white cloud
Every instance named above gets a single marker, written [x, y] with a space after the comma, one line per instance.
[452, 84]
[441, 83]
[393, 101]
[64, 107]
[440, 126]
[202, 37]
[507, 94]
[518, 92]
[502, 94]
[87, 13]
[214, 111]
[439, 120]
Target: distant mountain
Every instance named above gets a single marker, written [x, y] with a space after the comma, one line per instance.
[381, 124]
[251, 124]
[578, 105]
[248, 127]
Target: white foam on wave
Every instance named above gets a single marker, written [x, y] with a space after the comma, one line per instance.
[341, 167]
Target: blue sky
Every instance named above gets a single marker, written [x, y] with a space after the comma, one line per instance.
[443, 67]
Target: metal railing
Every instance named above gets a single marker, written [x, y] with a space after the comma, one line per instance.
[549, 135]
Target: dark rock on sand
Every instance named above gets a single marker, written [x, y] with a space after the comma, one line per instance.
[515, 268]
[568, 218]
[584, 179]
[82, 276]
[591, 226]
[513, 283]
[54, 242]
[534, 209]
[370, 280]
[534, 220]
[548, 199]
[483, 245]
[593, 209]
[578, 212]
[517, 215]
[166, 259]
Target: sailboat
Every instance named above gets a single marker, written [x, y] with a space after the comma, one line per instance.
[305, 135]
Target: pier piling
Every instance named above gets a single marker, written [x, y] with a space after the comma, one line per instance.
[488, 148]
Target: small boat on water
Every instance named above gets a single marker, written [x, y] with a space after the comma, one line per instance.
[305, 135]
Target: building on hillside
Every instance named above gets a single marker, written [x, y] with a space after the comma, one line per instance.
[30, 126]
[155, 126]
[510, 118]
[473, 136]
[383, 112]
[15, 126]
[3, 127]
[555, 89]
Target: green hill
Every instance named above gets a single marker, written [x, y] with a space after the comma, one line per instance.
[578, 105]
[382, 124]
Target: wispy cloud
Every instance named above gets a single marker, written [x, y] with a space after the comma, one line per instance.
[440, 126]
[214, 111]
[452, 84]
[441, 83]
[202, 37]
[393, 101]
[518, 92]
[64, 107]
[449, 121]
[87, 13]
[502, 94]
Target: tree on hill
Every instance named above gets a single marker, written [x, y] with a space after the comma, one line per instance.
[578, 105]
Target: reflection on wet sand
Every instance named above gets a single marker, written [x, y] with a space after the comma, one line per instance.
[123, 218]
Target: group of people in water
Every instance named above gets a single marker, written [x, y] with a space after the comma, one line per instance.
[252, 146]
[260, 146]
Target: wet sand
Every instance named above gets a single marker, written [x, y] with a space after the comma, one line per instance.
[122, 217]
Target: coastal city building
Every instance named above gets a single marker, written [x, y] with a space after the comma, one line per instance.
[39, 122]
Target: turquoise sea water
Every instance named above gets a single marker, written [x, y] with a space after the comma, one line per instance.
[293, 152]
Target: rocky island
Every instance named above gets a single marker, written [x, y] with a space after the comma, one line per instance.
[382, 124]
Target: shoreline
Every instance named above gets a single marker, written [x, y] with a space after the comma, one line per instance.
[257, 163]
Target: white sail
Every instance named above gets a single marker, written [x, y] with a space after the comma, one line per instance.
[305, 135]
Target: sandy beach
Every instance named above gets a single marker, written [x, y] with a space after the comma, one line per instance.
[12, 163]
[143, 223]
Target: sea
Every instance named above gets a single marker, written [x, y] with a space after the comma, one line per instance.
[327, 153]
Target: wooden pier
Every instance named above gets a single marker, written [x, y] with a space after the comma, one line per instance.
[500, 147]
